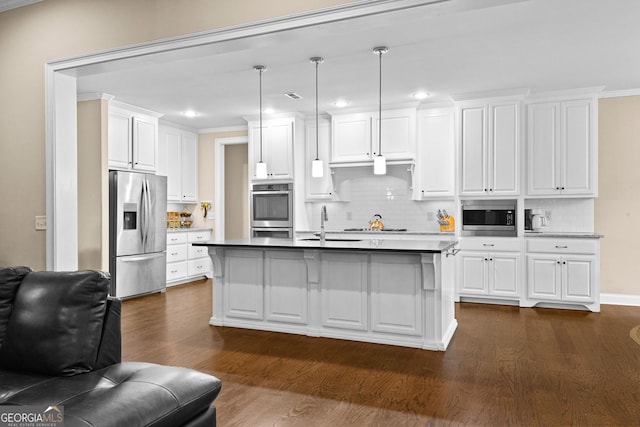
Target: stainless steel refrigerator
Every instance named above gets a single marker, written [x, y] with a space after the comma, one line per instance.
[137, 233]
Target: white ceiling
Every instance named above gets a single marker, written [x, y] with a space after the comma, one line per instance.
[463, 46]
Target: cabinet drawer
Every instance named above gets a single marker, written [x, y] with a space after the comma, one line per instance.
[176, 270]
[198, 252]
[198, 236]
[174, 238]
[490, 244]
[198, 267]
[176, 253]
[573, 246]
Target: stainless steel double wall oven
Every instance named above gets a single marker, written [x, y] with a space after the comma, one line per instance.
[272, 210]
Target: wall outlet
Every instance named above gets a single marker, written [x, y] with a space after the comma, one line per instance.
[41, 222]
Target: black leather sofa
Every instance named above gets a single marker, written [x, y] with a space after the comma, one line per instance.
[60, 346]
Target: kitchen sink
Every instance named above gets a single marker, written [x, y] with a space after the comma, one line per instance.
[330, 239]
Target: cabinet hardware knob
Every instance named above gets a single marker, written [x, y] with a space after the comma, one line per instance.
[488, 244]
[485, 259]
[491, 189]
[557, 262]
[562, 188]
[561, 246]
[564, 262]
[557, 188]
[490, 259]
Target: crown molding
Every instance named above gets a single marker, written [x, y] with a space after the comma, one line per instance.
[619, 93]
[14, 4]
[93, 96]
[241, 128]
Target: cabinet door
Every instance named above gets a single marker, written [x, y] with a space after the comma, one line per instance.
[396, 289]
[398, 134]
[343, 291]
[173, 144]
[472, 273]
[474, 153]
[577, 153]
[544, 277]
[145, 144]
[286, 287]
[578, 278]
[189, 167]
[280, 151]
[435, 153]
[243, 285]
[504, 274]
[543, 141]
[119, 135]
[322, 187]
[351, 140]
[505, 153]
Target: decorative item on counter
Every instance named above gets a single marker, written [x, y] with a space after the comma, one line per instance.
[446, 221]
[376, 223]
[185, 219]
[173, 219]
[205, 208]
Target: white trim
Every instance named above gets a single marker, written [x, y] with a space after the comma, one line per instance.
[620, 299]
[566, 94]
[93, 96]
[620, 93]
[14, 4]
[240, 128]
[219, 180]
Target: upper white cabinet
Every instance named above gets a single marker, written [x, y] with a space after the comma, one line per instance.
[277, 147]
[490, 148]
[133, 138]
[178, 156]
[436, 148]
[562, 148]
[355, 137]
[318, 188]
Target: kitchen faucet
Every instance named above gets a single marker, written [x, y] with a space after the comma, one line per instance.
[323, 218]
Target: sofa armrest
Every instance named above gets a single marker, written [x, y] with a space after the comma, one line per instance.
[110, 349]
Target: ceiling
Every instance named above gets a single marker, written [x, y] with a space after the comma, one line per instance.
[448, 49]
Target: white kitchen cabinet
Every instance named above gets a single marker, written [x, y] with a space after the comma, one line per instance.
[343, 291]
[563, 271]
[490, 268]
[277, 147]
[490, 148]
[286, 293]
[562, 148]
[396, 289]
[436, 147]
[132, 138]
[244, 285]
[178, 150]
[186, 262]
[320, 188]
[355, 137]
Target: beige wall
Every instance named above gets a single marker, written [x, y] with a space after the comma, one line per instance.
[236, 185]
[617, 209]
[32, 35]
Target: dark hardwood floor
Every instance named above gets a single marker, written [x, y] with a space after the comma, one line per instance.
[505, 366]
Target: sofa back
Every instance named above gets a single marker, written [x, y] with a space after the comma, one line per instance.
[59, 323]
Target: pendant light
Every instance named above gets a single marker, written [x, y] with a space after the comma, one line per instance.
[317, 168]
[379, 162]
[261, 167]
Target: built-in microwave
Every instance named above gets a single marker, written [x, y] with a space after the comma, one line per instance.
[272, 205]
[489, 218]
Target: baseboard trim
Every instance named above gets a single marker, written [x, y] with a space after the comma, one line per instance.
[620, 299]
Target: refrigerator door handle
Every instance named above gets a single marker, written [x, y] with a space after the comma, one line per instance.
[145, 257]
[146, 208]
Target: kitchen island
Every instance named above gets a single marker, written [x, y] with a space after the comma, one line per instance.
[398, 292]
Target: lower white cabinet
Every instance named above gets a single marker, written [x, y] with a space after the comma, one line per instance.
[286, 289]
[184, 261]
[244, 294]
[563, 271]
[490, 268]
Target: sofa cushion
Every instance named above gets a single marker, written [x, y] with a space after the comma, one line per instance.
[124, 394]
[56, 323]
[10, 279]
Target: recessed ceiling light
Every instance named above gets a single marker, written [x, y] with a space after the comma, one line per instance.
[191, 113]
[341, 103]
[269, 111]
[293, 95]
[421, 95]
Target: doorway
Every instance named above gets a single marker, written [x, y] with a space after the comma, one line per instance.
[236, 185]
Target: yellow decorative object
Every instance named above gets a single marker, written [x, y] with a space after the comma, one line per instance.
[205, 206]
[450, 224]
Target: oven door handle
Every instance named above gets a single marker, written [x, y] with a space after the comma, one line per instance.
[259, 193]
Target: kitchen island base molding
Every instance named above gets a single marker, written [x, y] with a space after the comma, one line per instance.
[396, 298]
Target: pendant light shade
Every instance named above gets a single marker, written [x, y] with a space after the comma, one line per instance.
[379, 162]
[317, 167]
[261, 167]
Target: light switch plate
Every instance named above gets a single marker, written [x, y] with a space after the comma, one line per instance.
[41, 222]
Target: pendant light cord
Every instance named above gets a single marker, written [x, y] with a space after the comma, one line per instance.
[317, 130]
[260, 114]
[380, 108]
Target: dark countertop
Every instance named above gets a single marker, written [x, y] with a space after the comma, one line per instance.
[418, 246]
[187, 229]
[386, 232]
[566, 234]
